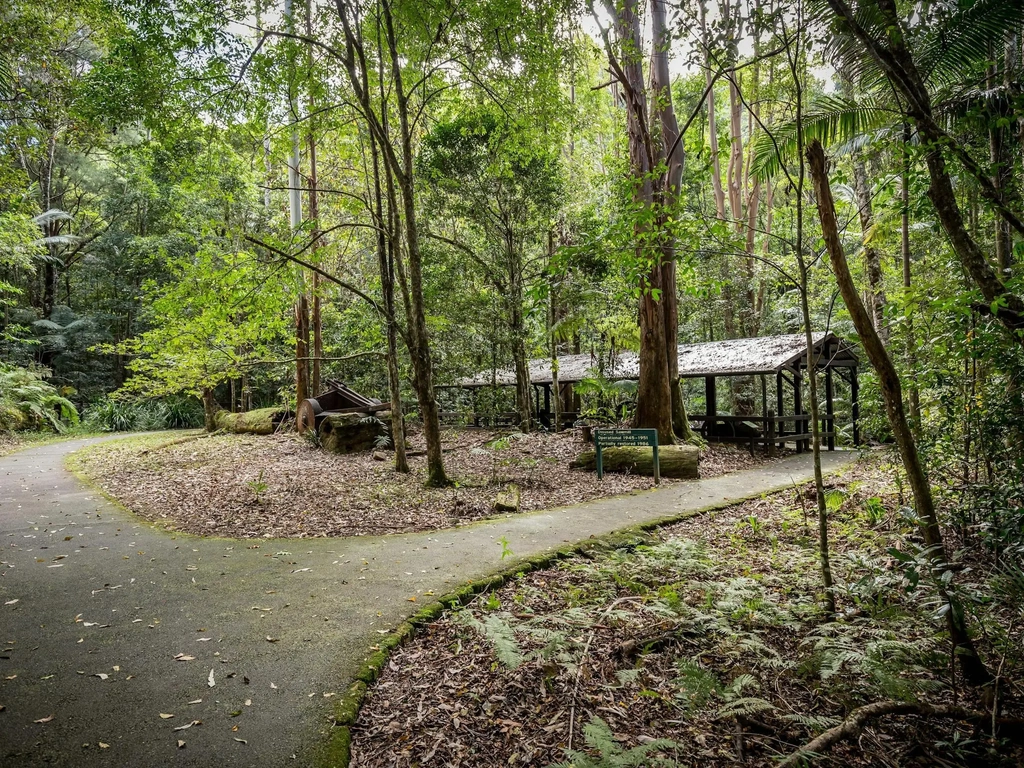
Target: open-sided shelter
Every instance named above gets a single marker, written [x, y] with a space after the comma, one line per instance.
[780, 358]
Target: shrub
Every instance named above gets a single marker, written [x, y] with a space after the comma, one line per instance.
[122, 415]
[27, 401]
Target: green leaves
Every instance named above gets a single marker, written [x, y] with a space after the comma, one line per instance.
[830, 119]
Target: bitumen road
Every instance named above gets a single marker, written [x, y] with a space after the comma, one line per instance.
[125, 645]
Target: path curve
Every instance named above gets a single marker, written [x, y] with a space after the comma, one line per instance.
[88, 590]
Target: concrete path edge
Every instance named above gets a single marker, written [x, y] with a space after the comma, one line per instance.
[337, 752]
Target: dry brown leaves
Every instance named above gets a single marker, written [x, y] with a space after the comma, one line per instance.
[213, 485]
[9, 443]
[445, 700]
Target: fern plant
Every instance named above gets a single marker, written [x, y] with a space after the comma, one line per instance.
[609, 754]
[28, 401]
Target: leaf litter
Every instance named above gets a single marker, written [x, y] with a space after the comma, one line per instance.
[199, 487]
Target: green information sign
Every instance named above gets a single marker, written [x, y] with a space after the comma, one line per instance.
[617, 438]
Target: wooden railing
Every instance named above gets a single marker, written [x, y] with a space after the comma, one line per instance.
[769, 430]
[469, 420]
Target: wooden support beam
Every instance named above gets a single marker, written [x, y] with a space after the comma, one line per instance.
[710, 396]
[798, 408]
[780, 407]
[547, 406]
[855, 405]
[830, 421]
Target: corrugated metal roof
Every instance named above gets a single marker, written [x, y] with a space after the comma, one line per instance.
[731, 357]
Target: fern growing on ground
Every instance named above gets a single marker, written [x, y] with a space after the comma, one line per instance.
[600, 739]
[27, 401]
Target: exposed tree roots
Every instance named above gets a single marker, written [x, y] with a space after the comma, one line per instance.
[860, 717]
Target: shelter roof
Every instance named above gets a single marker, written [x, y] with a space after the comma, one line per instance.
[730, 357]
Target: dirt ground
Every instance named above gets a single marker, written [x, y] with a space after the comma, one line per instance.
[711, 636]
[283, 486]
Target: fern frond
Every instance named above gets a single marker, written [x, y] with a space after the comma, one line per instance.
[963, 39]
[830, 120]
[50, 216]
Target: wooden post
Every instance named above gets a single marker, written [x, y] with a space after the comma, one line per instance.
[547, 407]
[770, 429]
[710, 398]
[830, 421]
[798, 408]
[780, 407]
[855, 404]
[764, 406]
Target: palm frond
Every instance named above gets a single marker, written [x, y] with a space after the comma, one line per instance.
[6, 80]
[830, 120]
[964, 38]
[58, 240]
[843, 49]
[50, 216]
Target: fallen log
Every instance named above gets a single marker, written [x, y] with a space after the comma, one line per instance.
[679, 461]
[262, 421]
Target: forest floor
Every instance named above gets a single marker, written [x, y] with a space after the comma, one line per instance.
[10, 442]
[710, 636]
[250, 486]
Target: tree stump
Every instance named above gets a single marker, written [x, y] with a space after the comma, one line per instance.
[355, 432]
[679, 461]
[507, 500]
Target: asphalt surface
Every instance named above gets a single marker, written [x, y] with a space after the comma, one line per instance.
[107, 624]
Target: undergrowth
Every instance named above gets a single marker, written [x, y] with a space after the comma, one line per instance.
[709, 646]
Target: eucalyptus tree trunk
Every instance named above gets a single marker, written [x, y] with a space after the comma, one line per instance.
[668, 149]
[654, 391]
[974, 670]
[914, 395]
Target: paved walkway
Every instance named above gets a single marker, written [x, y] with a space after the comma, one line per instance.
[107, 625]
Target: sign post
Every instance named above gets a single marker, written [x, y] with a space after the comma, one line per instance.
[617, 438]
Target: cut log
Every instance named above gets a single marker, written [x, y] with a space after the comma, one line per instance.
[679, 461]
[263, 421]
[355, 432]
[508, 500]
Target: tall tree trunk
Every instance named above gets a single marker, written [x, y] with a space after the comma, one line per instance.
[973, 668]
[422, 366]
[400, 162]
[556, 391]
[210, 409]
[794, 58]
[668, 151]
[872, 260]
[914, 395]
[387, 245]
[517, 328]
[301, 349]
[316, 330]
[654, 394]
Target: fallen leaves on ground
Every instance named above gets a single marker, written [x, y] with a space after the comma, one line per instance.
[637, 636]
[205, 486]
